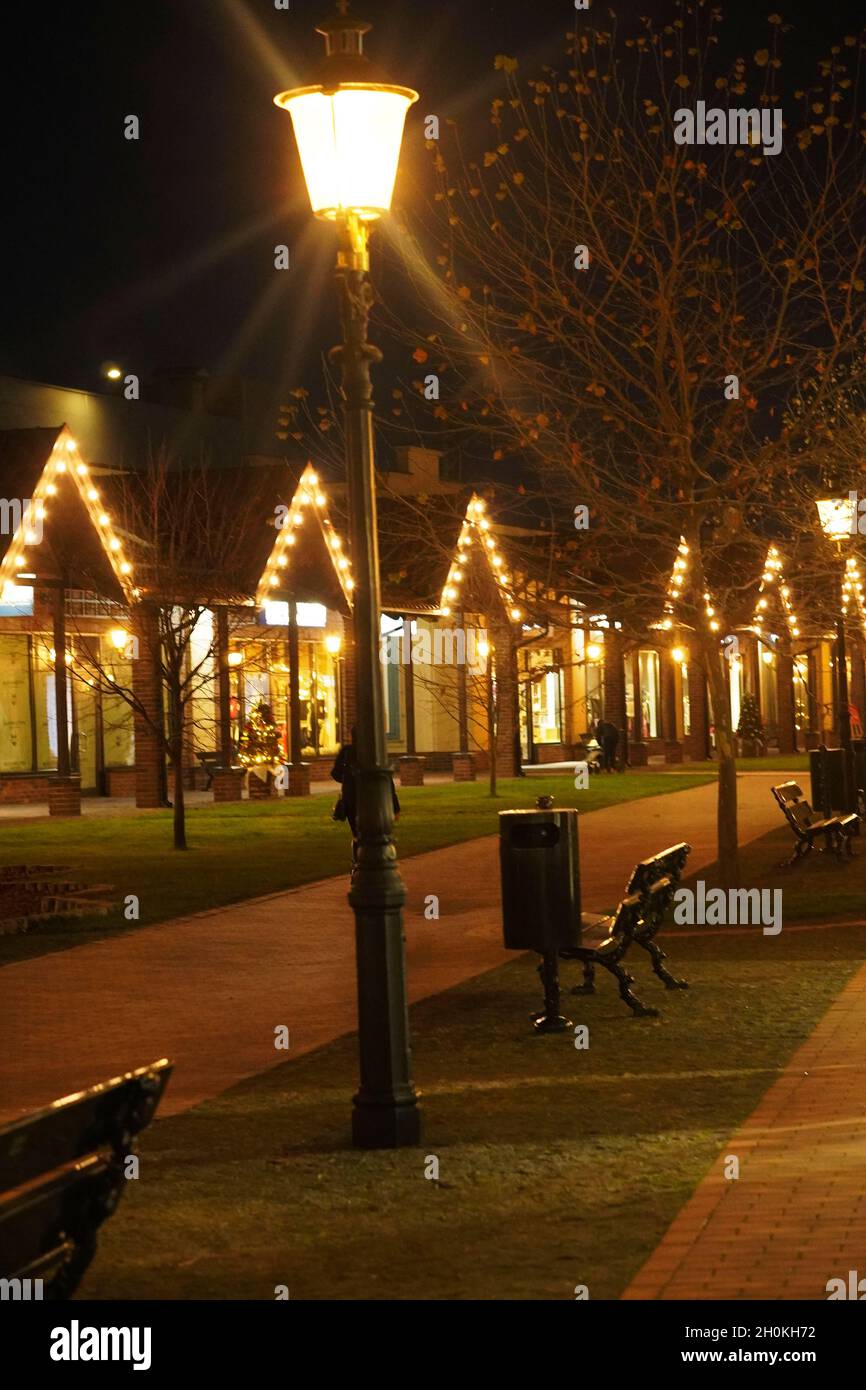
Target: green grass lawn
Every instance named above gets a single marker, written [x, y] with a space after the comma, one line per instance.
[558, 1167]
[245, 849]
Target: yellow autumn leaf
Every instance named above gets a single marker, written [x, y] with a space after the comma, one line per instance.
[682, 80]
[762, 57]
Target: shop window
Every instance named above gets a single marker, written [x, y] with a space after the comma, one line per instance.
[801, 694]
[736, 691]
[44, 699]
[686, 700]
[16, 740]
[769, 702]
[648, 667]
[391, 678]
[547, 707]
[118, 736]
[16, 601]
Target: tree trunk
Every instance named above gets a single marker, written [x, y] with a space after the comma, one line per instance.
[179, 818]
[720, 704]
[491, 730]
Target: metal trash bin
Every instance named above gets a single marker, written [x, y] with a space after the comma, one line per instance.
[540, 875]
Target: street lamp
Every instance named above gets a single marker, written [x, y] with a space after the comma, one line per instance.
[349, 128]
[836, 515]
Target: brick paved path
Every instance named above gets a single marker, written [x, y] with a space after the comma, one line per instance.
[209, 990]
[796, 1217]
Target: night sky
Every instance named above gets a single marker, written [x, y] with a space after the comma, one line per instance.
[157, 252]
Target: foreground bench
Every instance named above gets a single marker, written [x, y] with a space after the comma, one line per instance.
[648, 897]
[661, 876]
[807, 825]
[62, 1174]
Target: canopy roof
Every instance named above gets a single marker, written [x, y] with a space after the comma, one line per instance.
[59, 528]
[294, 568]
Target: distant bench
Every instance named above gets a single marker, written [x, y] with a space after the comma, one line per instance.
[62, 1175]
[837, 829]
[209, 762]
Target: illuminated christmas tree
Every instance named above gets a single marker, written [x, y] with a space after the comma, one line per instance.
[260, 744]
[750, 730]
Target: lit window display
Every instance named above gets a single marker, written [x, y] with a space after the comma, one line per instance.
[686, 700]
[541, 686]
[769, 703]
[16, 739]
[648, 667]
[801, 694]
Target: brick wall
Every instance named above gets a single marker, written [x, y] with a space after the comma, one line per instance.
[23, 791]
[614, 679]
[120, 781]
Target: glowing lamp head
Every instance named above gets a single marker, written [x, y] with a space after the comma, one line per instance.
[333, 643]
[118, 638]
[593, 651]
[349, 127]
[679, 655]
[235, 658]
[837, 516]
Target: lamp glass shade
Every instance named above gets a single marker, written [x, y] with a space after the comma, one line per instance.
[349, 142]
[837, 516]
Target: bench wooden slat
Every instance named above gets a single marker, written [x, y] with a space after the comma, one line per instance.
[62, 1174]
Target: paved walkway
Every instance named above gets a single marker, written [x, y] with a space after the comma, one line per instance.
[209, 990]
[796, 1216]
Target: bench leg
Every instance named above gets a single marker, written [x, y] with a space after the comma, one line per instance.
[625, 980]
[588, 986]
[658, 955]
[801, 849]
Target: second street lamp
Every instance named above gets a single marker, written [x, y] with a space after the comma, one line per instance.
[349, 129]
[837, 521]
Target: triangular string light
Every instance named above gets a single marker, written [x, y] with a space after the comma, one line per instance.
[677, 586]
[65, 466]
[773, 578]
[309, 498]
[477, 528]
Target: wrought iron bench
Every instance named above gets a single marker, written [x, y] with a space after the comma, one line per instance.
[648, 897]
[62, 1174]
[612, 938]
[806, 824]
[209, 762]
[661, 874]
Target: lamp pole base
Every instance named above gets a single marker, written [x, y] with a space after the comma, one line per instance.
[385, 1126]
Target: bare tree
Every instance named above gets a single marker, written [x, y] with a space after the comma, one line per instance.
[630, 318]
[198, 535]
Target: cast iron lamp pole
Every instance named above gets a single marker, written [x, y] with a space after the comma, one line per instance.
[837, 521]
[349, 127]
